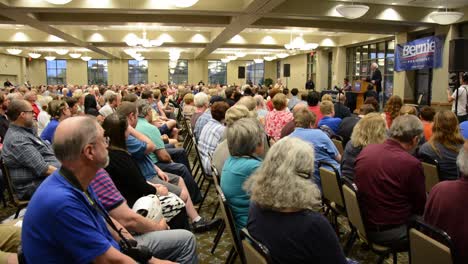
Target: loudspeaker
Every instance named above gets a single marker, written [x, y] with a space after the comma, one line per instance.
[286, 70]
[458, 55]
[241, 72]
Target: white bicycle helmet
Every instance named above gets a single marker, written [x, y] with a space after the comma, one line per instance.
[149, 206]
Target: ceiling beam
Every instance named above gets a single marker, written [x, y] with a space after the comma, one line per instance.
[112, 19]
[327, 25]
[254, 11]
[26, 19]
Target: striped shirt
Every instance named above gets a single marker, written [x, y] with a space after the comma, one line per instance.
[210, 137]
[105, 190]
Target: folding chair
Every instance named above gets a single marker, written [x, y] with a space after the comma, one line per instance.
[332, 193]
[429, 244]
[254, 251]
[358, 228]
[19, 204]
[236, 249]
[203, 176]
[431, 172]
[338, 142]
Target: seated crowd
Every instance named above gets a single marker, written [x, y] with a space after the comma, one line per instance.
[89, 158]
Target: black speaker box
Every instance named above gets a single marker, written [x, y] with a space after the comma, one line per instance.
[287, 70]
[241, 72]
[458, 55]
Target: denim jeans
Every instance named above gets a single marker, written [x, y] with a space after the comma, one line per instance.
[174, 245]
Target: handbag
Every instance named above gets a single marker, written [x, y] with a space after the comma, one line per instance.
[171, 205]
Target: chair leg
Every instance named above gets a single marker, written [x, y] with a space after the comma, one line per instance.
[17, 212]
[204, 196]
[234, 257]
[349, 244]
[215, 211]
[218, 236]
[395, 257]
[230, 255]
[381, 258]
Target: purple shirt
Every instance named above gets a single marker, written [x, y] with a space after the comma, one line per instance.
[105, 190]
[390, 184]
[446, 209]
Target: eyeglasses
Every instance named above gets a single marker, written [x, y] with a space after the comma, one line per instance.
[29, 111]
[106, 140]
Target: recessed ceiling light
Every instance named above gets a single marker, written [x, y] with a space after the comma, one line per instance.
[59, 2]
[394, 3]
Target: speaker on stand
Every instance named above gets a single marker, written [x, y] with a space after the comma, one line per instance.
[287, 72]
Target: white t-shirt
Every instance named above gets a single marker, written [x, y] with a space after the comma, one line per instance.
[42, 120]
[462, 94]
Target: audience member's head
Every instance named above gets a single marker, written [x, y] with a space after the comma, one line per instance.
[144, 109]
[245, 137]
[72, 103]
[366, 109]
[286, 91]
[90, 103]
[30, 96]
[462, 160]
[303, 118]
[43, 101]
[371, 129]
[327, 108]
[283, 181]
[393, 106]
[260, 101]
[327, 97]
[80, 141]
[21, 113]
[313, 98]
[218, 111]
[188, 99]
[272, 93]
[372, 101]
[237, 112]
[201, 100]
[115, 127]
[58, 109]
[407, 130]
[249, 102]
[294, 91]
[280, 102]
[446, 131]
[408, 110]
[130, 111]
[131, 97]
[427, 113]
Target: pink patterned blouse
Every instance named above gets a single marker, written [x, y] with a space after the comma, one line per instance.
[275, 121]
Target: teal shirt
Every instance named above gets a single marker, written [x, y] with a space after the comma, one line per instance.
[152, 132]
[236, 170]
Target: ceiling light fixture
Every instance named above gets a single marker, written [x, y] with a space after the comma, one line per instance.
[298, 43]
[134, 41]
[184, 3]
[269, 58]
[75, 55]
[14, 51]
[258, 60]
[231, 57]
[34, 55]
[240, 54]
[445, 17]
[352, 11]
[225, 60]
[282, 55]
[49, 58]
[58, 2]
[61, 51]
[86, 58]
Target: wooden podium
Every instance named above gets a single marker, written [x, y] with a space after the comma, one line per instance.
[359, 89]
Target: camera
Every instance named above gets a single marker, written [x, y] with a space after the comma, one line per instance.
[130, 247]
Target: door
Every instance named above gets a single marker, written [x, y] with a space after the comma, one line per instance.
[423, 85]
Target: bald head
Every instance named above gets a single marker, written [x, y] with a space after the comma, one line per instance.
[299, 106]
[72, 135]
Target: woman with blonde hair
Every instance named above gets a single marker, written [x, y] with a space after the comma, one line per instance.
[444, 144]
[392, 109]
[284, 197]
[369, 130]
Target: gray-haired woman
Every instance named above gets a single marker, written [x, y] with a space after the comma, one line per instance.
[283, 199]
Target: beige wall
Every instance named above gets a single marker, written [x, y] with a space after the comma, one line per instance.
[77, 72]
[198, 70]
[157, 71]
[298, 71]
[117, 71]
[13, 68]
[440, 75]
[37, 72]
[321, 76]
[232, 70]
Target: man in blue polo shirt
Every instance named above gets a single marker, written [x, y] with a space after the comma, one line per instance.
[64, 225]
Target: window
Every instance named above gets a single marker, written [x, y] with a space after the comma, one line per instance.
[255, 72]
[217, 72]
[56, 71]
[97, 72]
[359, 59]
[311, 61]
[179, 74]
[137, 71]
